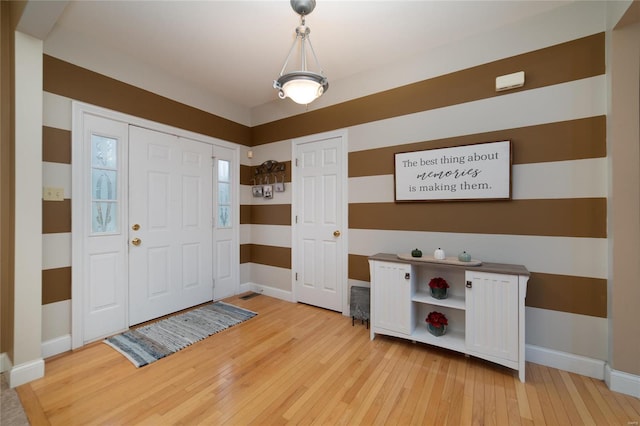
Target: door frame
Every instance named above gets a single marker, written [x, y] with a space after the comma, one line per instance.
[79, 198]
[343, 209]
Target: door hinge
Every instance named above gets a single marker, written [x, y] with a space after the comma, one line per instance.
[296, 162]
[296, 276]
[296, 218]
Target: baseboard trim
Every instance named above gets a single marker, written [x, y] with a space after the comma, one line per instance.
[565, 361]
[56, 346]
[267, 291]
[5, 362]
[25, 373]
[619, 381]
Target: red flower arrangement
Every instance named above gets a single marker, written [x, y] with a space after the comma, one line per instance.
[438, 283]
[437, 319]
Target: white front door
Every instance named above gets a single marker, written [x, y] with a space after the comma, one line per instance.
[320, 221]
[226, 254]
[101, 219]
[170, 232]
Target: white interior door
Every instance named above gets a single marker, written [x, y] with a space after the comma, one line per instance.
[320, 246]
[226, 253]
[170, 232]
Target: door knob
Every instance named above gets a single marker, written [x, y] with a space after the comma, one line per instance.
[136, 241]
[336, 233]
[135, 227]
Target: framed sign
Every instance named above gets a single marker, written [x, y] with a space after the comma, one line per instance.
[471, 172]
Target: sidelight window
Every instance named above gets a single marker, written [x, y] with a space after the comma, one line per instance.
[104, 185]
[224, 194]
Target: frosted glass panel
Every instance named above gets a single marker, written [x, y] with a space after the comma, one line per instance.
[223, 193]
[223, 171]
[224, 217]
[104, 185]
[104, 152]
[104, 217]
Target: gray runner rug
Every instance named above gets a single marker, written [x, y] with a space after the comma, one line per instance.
[152, 342]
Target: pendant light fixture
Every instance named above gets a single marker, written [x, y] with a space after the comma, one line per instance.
[302, 86]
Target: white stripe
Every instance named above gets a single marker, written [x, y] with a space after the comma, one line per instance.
[271, 276]
[247, 198]
[56, 250]
[585, 257]
[271, 235]
[550, 329]
[561, 102]
[559, 179]
[57, 175]
[56, 320]
[56, 111]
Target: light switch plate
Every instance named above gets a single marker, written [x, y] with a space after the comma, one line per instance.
[50, 193]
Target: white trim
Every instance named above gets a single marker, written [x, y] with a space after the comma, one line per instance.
[344, 209]
[267, 291]
[25, 373]
[5, 362]
[79, 109]
[565, 361]
[619, 381]
[56, 346]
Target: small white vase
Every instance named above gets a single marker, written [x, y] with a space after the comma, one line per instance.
[439, 254]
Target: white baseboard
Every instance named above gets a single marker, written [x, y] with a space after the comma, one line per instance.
[622, 382]
[56, 346]
[5, 362]
[565, 361]
[25, 373]
[267, 291]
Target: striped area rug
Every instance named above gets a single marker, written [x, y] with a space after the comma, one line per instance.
[152, 342]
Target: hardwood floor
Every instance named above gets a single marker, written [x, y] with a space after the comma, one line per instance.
[294, 363]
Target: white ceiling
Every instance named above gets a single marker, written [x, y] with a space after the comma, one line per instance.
[235, 49]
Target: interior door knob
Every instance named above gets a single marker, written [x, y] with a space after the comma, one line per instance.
[136, 241]
[336, 233]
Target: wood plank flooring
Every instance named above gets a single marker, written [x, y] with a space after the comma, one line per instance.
[297, 364]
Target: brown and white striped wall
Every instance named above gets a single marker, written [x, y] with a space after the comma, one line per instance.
[555, 225]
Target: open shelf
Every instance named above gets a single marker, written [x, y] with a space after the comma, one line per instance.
[455, 302]
[452, 339]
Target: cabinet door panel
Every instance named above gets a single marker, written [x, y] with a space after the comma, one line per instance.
[391, 292]
[492, 315]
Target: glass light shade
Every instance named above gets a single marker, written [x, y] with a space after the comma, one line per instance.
[302, 91]
[303, 87]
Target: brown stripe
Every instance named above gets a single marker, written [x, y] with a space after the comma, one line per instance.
[247, 174]
[271, 214]
[359, 267]
[245, 253]
[56, 285]
[56, 216]
[72, 81]
[56, 145]
[573, 60]
[271, 255]
[577, 295]
[245, 214]
[7, 183]
[577, 217]
[566, 140]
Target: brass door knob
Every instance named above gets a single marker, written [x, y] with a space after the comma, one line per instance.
[336, 233]
[135, 227]
[136, 241]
